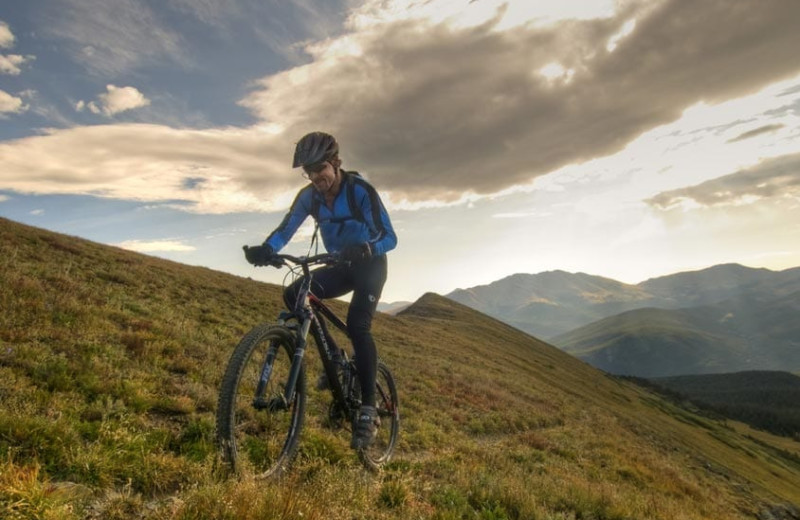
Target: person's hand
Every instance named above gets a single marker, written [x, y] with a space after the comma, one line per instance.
[357, 253]
[260, 255]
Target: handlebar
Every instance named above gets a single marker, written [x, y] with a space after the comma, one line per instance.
[281, 260]
[324, 258]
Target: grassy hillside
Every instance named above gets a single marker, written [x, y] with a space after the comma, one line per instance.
[738, 334]
[767, 400]
[109, 368]
[654, 343]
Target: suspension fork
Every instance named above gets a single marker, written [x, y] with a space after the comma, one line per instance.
[301, 310]
[266, 372]
[297, 362]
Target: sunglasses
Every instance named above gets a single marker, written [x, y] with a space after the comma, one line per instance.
[313, 169]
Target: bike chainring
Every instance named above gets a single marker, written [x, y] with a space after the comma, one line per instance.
[336, 415]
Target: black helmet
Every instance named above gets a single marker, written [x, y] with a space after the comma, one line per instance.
[314, 148]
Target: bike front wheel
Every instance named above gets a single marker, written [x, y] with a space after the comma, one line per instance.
[380, 451]
[257, 429]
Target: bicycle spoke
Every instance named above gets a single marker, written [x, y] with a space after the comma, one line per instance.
[259, 430]
[382, 447]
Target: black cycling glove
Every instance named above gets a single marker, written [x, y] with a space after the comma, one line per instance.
[261, 255]
[357, 253]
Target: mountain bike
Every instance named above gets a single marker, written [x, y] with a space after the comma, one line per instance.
[262, 399]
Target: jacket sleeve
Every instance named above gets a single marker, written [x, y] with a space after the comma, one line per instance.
[382, 236]
[300, 209]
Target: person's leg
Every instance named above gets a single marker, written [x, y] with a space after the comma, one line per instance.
[327, 282]
[369, 281]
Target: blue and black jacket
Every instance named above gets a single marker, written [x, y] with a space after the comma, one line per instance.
[357, 216]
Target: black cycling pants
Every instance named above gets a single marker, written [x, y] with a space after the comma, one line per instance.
[366, 280]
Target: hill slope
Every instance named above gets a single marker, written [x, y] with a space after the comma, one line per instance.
[767, 400]
[109, 368]
[738, 334]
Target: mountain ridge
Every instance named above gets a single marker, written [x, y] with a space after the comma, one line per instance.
[726, 317]
[568, 301]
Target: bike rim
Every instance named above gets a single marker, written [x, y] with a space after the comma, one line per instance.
[264, 439]
[380, 450]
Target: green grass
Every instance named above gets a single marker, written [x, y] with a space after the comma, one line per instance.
[110, 364]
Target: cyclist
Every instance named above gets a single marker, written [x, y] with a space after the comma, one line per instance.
[354, 223]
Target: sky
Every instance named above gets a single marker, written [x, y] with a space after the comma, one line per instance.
[627, 139]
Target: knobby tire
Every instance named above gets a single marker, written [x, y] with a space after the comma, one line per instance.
[380, 451]
[260, 441]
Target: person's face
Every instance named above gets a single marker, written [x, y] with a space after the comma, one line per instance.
[323, 176]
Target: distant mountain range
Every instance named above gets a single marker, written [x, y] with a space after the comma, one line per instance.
[393, 307]
[722, 319]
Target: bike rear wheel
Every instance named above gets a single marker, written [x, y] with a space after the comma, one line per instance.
[260, 433]
[380, 451]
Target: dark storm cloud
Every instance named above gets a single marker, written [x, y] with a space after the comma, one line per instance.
[435, 111]
[772, 178]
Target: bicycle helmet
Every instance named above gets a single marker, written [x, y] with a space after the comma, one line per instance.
[314, 148]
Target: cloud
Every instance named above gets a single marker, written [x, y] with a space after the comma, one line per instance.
[276, 24]
[766, 129]
[6, 36]
[10, 64]
[111, 37]
[433, 109]
[114, 37]
[11, 104]
[215, 13]
[209, 171]
[774, 178]
[154, 246]
[114, 101]
[436, 111]
[469, 13]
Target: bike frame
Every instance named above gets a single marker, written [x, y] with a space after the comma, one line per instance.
[265, 433]
[310, 313]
